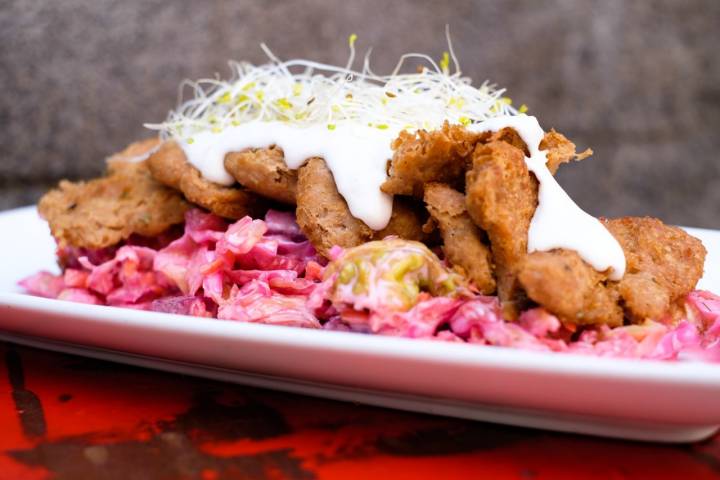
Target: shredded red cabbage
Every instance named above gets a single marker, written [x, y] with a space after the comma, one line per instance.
[266, 271]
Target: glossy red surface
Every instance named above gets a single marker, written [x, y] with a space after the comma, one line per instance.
[67, 417]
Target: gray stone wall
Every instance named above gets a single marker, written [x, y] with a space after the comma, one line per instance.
[639, 82]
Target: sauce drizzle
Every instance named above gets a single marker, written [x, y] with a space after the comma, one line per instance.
[357, 156]
[558, 221]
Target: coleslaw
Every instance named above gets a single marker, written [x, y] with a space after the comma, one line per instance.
[266, 271]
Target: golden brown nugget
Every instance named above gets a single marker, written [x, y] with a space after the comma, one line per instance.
[441, 155]
[322, 213]
[560, 150]
[264, 172]
[462, 240]
[562, 283]
[664, 264]
[406, 221]
[168, 164]
[104, 211]
[135, 152]
[501, 196]
[511, 136]
[444, 156]
[170, 167]
[325, 218]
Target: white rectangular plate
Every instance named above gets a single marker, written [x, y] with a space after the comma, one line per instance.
[644, 400]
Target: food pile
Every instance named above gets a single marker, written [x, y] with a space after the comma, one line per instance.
[282, 245]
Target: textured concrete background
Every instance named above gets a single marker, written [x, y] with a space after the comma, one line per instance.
[639, 82]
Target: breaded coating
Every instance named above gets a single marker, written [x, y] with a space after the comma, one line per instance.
[511, 136]
[463, 243]
[170, 167]
[501, 197]
[430, 156]
[168, 164]
[324, 217]
[560, 150]
[664, 264]
[104, 211]
[322, 213]
[406, 221]
[565, 285]
[444, 156]
[228, 202]
[264, 172]
[135, 152]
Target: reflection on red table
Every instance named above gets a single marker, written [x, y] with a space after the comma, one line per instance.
[68, 417]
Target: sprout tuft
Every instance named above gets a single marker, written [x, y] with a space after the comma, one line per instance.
[304, 93]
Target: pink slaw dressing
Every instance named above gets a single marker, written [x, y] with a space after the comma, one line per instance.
[266, 271]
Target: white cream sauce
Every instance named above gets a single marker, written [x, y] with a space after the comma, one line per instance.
[559, 222]
[357, 156]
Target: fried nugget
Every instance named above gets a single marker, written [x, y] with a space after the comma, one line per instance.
[510, 136]
[463, 241]
[444, 156]
[501, 196]
[102, 212]
[170, 167]
[135, 152]
[560, 150]
[264, 172]
[326, 220]
[430, 156]
[567, 286]
[406, 221]
[664, 264]
[322, 213]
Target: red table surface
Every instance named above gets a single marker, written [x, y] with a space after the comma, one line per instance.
[68, 417]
